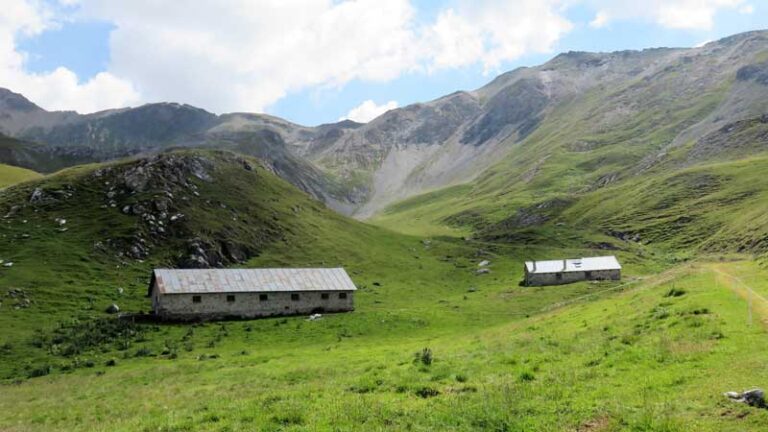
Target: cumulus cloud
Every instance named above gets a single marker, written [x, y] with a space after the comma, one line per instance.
[60, 88]
[674, 14]
[241, 55]
[233, 56]
[492, 31]
[368, 110]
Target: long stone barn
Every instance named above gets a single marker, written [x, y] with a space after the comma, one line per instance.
[207, 294]
[557, 272]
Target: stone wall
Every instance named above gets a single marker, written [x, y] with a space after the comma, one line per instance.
[250, 305]
[541, 279]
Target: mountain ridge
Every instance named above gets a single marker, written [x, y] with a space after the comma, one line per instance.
[359, 169]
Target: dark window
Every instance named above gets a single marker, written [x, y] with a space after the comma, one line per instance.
[342, 295]
[295, 297]
[197, 299]
[588, 275]
[324, 296]
[559, 276]
[230, 298]
[263, 297]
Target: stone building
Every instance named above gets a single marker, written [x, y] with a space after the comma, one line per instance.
[557, 272]
[196, 294]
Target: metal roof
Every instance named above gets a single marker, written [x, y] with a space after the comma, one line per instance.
[573, 265]
[176, 281]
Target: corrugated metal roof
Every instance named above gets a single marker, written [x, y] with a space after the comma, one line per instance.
[177, 281]
[573, 265]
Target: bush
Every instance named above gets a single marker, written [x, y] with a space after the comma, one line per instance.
[427, 392]
[39, 371]
[143, 352]
[424, 357]
[111, 362]
[675, 292]
[461, 378]
[526, 376]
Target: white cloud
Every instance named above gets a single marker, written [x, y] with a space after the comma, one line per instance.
[236, 55]
[243, 55]
[58, 89]
[746, 9]
[493, 31]
[368, 110]
[674, 14]
[601, 19]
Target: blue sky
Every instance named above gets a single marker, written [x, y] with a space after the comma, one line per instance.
[94, 55]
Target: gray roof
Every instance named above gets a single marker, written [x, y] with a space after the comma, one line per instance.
[174, 281]
[573, 265]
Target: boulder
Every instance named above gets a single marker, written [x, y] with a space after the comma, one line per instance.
[12, 211]
[113, 309]
[36, 196]
[482, 271]
[754, 397]
[484, 263]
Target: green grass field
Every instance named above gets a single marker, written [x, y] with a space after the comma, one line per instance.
[10, 175]
[631, 358]
[430, 346]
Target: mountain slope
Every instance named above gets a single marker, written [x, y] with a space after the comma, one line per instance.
[690, 128]
[609, 115]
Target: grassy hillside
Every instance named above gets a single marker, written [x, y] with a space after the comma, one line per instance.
[10, 175]
[430, 346]
[641, 359]
[87, 237]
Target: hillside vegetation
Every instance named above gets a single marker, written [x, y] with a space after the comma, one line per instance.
[655, 156]
[10, 175]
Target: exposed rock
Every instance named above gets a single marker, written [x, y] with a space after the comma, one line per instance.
[754, 397]
[36, 196]
[484, 263]
[113, 309]
[482, 271]
[12, 212]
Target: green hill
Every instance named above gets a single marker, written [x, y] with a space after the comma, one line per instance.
[656, 156]
[584, 356]
[10, 175]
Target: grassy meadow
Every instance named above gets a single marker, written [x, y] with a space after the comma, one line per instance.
[432, 345]
[654, 355]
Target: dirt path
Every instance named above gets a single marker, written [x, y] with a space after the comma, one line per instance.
[758, 302]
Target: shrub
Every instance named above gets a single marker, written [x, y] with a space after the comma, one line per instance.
[675, 292]
[111, 362]
[39, 371]
[427, 392]
[461, 378]
[143, 352]
[526, 376]
[424, 357]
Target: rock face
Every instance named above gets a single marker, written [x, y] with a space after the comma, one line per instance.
[189, 208]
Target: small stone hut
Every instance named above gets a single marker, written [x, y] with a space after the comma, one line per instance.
[196, 294]
[557, 272]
